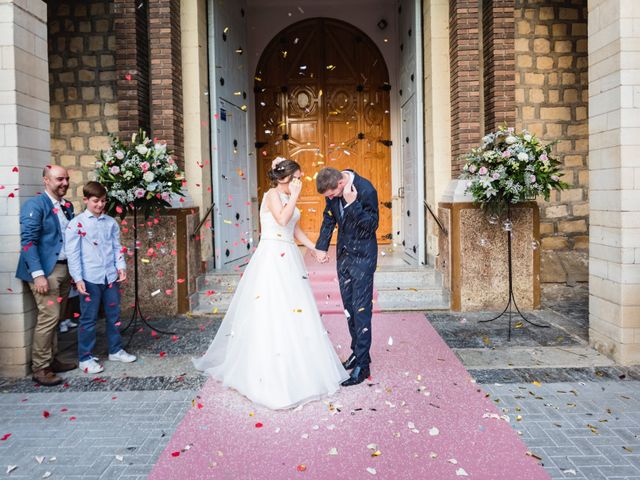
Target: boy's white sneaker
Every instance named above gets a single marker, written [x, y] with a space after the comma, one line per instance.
[122, 356]
[64, 328]
[91, 366]
[70, 323]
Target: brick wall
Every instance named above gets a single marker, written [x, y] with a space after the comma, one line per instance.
[551, 95]
[82, 85]
[498, 63]
[132, 62]
[166, 75]
[464, 54]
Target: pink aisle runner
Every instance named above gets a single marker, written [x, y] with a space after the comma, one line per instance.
[420, 416]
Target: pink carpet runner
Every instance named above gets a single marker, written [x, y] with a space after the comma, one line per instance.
[420, 416]
[324, 282]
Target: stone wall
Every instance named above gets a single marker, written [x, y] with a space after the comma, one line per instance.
[82, 85]
[24, 152]
[551, 98]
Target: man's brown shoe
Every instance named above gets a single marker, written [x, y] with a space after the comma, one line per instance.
[57, 366]
[46, 377]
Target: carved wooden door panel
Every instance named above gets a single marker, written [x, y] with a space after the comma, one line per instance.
[322, 99]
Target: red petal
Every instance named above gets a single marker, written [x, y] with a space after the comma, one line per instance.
[5, 436]
[175, 454]
[46, 414]
[259, 425]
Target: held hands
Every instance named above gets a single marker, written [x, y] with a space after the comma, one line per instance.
[295, 187]
[321, 257]
[122, 275]
[41, 285]
[350, 194]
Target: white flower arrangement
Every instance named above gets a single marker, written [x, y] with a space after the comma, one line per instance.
[509, 168]
[141, 175]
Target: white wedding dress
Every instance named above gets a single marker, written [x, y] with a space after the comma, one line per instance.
[272, 346]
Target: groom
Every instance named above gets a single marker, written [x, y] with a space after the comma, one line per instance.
[352, 203]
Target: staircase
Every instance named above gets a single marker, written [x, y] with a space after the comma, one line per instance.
[409, 287]
[397, 288]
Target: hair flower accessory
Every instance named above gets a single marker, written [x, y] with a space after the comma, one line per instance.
[276, 161]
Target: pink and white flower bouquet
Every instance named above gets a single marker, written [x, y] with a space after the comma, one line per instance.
[141, 175]
[509, 168]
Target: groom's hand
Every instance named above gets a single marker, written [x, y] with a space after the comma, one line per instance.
[350, 194]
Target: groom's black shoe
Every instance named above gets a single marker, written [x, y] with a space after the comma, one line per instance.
[350, 362]
[359, 375]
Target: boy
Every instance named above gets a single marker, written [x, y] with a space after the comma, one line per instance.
[96, 263]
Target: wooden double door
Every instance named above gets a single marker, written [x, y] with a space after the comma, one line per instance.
[322, 99]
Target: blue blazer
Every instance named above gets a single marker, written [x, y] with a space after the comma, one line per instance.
[356, 228]
[40, 236]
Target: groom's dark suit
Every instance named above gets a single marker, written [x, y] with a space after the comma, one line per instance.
[357, 256]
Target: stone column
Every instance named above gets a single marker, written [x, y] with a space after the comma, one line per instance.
[195, 79]
[24, 152]
[614, 179]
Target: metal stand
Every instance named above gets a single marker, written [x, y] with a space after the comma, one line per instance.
[512, 298]
[137, 312]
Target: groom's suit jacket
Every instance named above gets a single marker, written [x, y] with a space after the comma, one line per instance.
[357, 227]
[40, 236]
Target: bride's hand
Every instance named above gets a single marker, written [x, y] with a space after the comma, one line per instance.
[295, 187]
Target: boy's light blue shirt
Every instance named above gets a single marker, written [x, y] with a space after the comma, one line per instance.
[93, 249]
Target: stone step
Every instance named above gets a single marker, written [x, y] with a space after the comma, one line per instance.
[218, 281]
[416, 278]
[397, 299]
[203, 304]
[399, 288]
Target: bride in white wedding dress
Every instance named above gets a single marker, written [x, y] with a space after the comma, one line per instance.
[272, 346]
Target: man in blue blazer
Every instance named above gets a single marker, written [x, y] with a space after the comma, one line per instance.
[43, 266]
[352, 204]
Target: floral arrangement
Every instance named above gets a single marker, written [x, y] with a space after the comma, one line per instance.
[510, 168]
[141, 175]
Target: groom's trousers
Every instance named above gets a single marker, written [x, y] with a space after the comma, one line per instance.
[356, 289]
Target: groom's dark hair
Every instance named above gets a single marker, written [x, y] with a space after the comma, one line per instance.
[328, 179]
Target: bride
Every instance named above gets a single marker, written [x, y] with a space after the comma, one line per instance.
[272, 346]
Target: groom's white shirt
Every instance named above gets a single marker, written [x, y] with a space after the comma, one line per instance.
[348, 185]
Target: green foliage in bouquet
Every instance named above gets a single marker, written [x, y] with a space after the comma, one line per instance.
[141, 175]
[509, 168]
